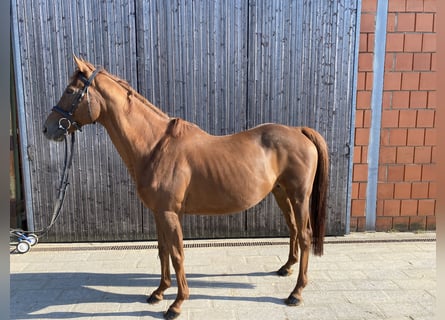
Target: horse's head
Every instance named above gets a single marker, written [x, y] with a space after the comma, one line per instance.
[75, 108]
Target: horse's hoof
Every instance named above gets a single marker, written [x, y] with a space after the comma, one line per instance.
[170, 314]
[284, 272]
[153, 299]
[293, 302]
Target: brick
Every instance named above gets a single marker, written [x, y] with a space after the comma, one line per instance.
[418, 99]
[400, 99]
[395, 42]
[431, 99]
[358, 207]
[385, 191]
[365, 61]
[432, 190]
[413, 42]
[382, 172]
[390, 118]
[396, 5]
[367, 118]
[360, 172]
[391, 207]
[429, 172]
[391, 22]
[364, 99]
[390, 61]
[404, 61]
[392, 80]
[400, 224]
[405, 155]
[361, 136]
[422, 62]
[396, 173]
[422, 154]
[402, 190]
[433, 62]
[425, 118]
[364, 154]
[408, 207]
[357, 154]
[362, 190]
[384, 136]
[387, 99]
[361, 224]
[397, 137]
[371, 42]
[369, 79]
[420, 190]
[427, 81]
[416, 137]
[380, 208]
[367, 22]
[369, 5]
[430, 223]
[430, 137]
[429, 42]
[406, 22]
[413, 172]
[407, 118]
[353, 224]
[424, 22]
[363, 45]
[434, 154]
[414, 5]
[410, 80]
[383, 224]
[361, 81]
[388, 155]
[417, 223]
[427, 207]
[354, 190]
[429, 6]
[359, 118]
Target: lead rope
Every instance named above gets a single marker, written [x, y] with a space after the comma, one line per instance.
[61, 190]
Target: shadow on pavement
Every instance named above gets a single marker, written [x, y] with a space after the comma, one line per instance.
[32, 293]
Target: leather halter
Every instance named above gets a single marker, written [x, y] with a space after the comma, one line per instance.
[68, 115]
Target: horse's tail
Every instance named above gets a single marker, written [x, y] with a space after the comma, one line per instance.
[319, 191]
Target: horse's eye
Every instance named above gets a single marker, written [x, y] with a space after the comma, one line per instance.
[69, 90]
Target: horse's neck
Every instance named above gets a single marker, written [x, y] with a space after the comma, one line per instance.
[134, 127]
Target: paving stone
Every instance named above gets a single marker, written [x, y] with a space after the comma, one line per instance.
[360, 279]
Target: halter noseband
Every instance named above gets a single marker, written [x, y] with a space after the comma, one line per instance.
[68, 115]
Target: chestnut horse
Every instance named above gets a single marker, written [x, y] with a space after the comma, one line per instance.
[180, 169]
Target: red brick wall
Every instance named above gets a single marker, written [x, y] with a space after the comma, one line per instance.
[406, 189]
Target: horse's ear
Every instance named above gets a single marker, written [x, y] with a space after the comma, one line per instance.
[82, 65]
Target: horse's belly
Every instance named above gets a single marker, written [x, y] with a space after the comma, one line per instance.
[226, 198]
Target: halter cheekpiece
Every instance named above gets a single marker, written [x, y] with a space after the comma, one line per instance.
[67, 121]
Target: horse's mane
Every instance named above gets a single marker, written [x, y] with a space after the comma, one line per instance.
[126, 86]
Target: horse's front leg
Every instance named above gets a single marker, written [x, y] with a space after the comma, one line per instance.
[164, 256]
[171, 229]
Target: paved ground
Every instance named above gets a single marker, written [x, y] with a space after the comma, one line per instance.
[361, 276]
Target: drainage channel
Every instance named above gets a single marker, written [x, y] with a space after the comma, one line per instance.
[104, 247]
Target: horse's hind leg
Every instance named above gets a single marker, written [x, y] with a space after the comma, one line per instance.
[286, 207]
[301, 210]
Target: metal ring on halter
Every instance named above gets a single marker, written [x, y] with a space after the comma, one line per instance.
[61, 126]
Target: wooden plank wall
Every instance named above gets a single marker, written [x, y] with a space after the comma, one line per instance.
[225, 65]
